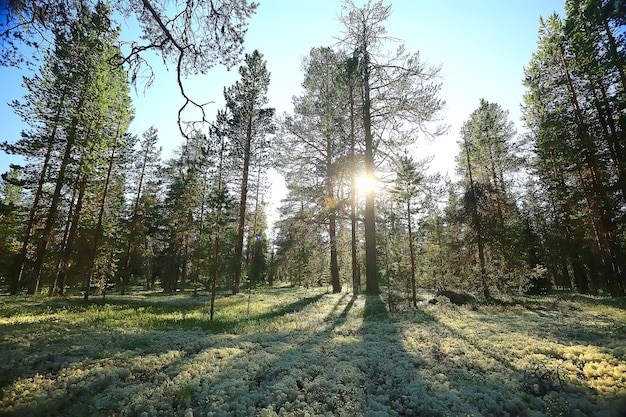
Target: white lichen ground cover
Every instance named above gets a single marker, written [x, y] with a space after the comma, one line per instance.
[303, 352]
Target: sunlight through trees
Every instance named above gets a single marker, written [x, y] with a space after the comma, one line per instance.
[95, 209]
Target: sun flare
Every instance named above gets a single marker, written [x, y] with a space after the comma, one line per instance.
[365, 183]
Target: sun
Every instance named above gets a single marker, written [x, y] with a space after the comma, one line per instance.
[365, 183]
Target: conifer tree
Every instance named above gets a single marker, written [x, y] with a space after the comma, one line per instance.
[314, 143]
[12, 214]
[250, 124]
[192, 36]
[574, 87]
[89, 110]
[398, 89]
[145, 170]
[409, 184]
[489, 163]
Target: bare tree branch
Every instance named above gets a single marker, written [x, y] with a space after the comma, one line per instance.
[199, 35]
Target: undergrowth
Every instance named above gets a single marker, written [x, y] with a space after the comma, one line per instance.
[292, 351]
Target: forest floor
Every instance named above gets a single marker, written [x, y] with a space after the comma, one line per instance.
[305, 352]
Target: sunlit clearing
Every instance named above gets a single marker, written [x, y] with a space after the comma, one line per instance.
[365, 183]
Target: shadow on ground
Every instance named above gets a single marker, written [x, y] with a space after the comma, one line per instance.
[322, 354]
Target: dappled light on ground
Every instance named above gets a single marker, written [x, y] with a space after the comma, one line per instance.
[305, 352]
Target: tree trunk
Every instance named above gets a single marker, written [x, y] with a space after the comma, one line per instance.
[334, 264]
[599, 203]
[369, 221]
[356, 276]
[243, 196]
[42, 248]
[332, 218]
[133, 225]
[71, 227]
[103, 200]
[73, 216]
[20, 260]
[218, 220]
[412, 254]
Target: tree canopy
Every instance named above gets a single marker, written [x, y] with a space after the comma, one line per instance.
[193, 39]
[94, 208]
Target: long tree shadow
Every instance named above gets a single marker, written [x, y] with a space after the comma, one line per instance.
[576, 319]
[259, 370]
[22, 357]
[481, 377]
[321, 355]
[263, 370]
[422, 367]
[389, 372]
[232, 324]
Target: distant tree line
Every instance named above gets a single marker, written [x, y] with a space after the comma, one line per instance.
[94, 207]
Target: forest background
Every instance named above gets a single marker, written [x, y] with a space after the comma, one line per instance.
[101, 208]
[137, 281]
[482, 48]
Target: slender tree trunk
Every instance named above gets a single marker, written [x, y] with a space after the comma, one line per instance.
[243, 196]
[371, 269]
[356, 276]
[571, 244]
[332, 220]
[133, 224]
[412, 254]
[255, 242]
[98, 232]
[334, 264]
[253, 274]
[199, 252]
[68, 225]
[477, 225]
[218, 220]
[149, 263]
[216, 255]
[42, 248]
[71, 237]
[20, 261]
[70, 214]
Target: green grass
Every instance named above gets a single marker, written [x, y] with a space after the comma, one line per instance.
[305, 352]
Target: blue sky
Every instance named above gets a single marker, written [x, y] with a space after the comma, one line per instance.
[482, 46]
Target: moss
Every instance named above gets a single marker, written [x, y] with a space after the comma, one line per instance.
[309, 353]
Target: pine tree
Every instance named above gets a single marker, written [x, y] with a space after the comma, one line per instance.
[574, 86]
[250, 125]
[489, 164]
[409, 184]
[145, 169]
[183, 206]
[192, 36]
[398, 90]
[89, 107]
[314, 142]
